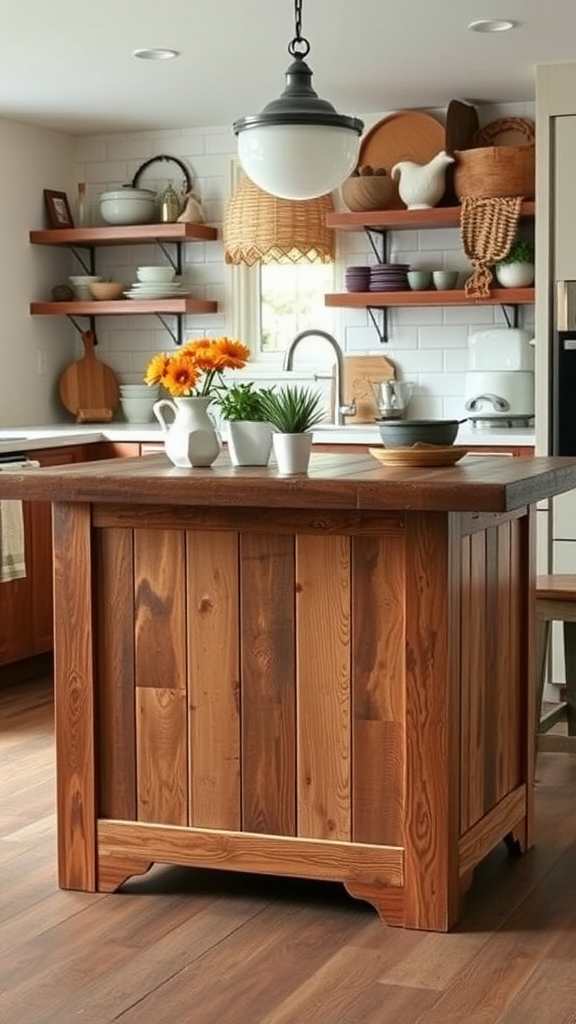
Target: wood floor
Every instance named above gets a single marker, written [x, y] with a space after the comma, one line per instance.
[200, 947]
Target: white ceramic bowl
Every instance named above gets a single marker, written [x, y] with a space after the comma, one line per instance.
[154, 274]
[138, 410]
[128, 206]
[81, 286]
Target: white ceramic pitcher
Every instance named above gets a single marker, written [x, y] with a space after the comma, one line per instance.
[191, 438]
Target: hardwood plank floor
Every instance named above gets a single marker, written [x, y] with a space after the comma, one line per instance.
[181, 946]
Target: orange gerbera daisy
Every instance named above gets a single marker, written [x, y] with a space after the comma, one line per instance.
[181, 376]
[196, 369]
[156, 369]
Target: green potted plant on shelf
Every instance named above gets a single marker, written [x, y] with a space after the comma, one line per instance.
[249, 433]
[516, 269]
[293, 411]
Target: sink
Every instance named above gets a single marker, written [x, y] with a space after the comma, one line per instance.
[13, 437]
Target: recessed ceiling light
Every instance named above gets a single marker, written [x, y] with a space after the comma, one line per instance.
[155, 53]
[493, 25]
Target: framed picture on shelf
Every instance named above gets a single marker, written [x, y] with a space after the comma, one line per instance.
[59, 214]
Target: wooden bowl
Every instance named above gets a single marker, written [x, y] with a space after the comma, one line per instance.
[368, 192]
[106, 290]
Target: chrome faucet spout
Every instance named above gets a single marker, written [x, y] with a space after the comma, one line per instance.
[341, 408]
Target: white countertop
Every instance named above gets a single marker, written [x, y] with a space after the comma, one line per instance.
[56, 435]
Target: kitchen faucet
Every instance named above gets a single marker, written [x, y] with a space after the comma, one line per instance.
[341, 408]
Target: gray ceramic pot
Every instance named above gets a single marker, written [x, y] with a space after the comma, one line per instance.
[399, 433]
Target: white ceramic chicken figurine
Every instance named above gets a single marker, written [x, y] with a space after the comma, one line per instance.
[421, 186]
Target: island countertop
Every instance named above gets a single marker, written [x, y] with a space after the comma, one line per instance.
[478, 483]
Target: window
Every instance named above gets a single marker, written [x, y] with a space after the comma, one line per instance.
[292, 300]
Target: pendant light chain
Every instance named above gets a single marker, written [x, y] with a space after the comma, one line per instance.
[299, 48]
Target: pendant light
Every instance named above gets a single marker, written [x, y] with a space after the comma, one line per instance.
[298, 146]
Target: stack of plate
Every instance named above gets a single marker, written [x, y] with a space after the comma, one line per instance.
[357, 279]
[156, 290]
[389, 277]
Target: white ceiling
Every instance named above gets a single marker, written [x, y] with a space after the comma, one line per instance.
[68, 65]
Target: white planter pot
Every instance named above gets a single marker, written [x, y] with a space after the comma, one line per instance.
[292, 453]
[249, 443]
[514, 275]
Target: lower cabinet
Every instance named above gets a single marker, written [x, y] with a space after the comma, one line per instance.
[26, 605]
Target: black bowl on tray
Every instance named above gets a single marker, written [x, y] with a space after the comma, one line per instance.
[403, 433]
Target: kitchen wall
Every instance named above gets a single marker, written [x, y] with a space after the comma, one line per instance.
[32, 159]
[429, 345]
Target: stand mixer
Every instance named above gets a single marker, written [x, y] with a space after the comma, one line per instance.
[499, 384]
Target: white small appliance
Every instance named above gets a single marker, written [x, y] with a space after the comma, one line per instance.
[499, 384]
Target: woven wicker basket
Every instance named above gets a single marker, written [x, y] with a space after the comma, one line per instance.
[492, 171]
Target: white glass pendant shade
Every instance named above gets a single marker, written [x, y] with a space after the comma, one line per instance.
[298, 146]
[298, 161]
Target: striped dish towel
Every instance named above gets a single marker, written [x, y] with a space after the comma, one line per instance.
[12, 554]
[12, 561]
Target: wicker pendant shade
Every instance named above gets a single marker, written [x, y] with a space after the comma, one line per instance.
[261, 228]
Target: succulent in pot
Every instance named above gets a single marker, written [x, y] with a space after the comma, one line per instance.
[293, 411]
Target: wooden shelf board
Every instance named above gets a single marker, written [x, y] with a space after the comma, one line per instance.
[125, 234]
[123, 307]
[398, 220]
[455, 297]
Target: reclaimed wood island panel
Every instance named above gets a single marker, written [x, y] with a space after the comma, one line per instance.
[325, 676]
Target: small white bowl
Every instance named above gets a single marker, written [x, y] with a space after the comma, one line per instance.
[155, 274]
[81, 286]
[138, 410]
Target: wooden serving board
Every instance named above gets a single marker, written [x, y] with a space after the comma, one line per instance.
[88, 388]
[358, 372]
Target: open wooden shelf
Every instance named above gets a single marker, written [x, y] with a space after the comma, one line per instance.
[123, 234]
[405, 220]
[121, 307]
[454, 297]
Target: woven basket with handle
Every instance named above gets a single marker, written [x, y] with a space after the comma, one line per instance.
[493, 171]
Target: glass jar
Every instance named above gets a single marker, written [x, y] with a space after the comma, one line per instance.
[169, 205]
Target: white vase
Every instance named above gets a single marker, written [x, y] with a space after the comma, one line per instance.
[249, 442]
[292, 452]
[191, 438]
[514, 275]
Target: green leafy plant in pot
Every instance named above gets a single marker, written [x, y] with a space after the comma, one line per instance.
[516, 269]
[293, 411]
[249, 431]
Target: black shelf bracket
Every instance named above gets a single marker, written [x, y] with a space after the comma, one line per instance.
[511, 311]
[88, 263]
[175, 261]
[91, 325]
[380, 323]
[378, 239]
[178, 334]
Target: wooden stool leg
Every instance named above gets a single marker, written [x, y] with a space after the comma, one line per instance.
[542, 645]
[570, 663]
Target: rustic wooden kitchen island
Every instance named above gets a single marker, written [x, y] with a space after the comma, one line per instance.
[326, 676]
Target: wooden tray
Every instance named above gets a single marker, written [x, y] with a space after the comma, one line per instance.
[406, 135]
[416, 455]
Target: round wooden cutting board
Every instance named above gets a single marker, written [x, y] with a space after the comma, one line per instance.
[88, 388]
[406, 135]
